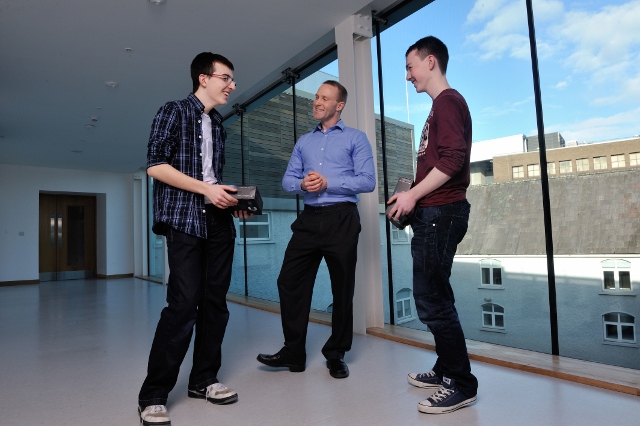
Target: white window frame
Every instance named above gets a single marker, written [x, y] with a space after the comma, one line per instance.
[566, 167]
[582, 165]
[533, 170]
[268, 224]
[599, 163]
[618, 161]
[617, 268]
[401, 236]
[491, 265]
[493, 315]
[619, 324]
[551, 168]
[517, 172]
[407, 303]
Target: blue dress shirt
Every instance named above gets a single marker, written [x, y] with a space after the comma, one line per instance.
[342, 154]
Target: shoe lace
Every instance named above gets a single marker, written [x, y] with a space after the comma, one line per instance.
[213, 389]
[426, 375]
[441, 394]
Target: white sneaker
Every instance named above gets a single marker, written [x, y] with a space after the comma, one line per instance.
[154, 415]
[216, 393]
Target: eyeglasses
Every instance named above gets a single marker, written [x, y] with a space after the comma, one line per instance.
[226, 78]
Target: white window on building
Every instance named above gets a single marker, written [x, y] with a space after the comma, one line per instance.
[634, 159]
[599, 163]
[403, 306]
[566, 167]
[582, 164]
[618, 161]
[330, 308]
[491, 272]
[533, 170]
[619, 327]
[517, 172]
[256, 228]
[616, 274]
[551, 168]
[492, 316]
[401, 236]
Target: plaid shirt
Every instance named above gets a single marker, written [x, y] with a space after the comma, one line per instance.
[176, 139]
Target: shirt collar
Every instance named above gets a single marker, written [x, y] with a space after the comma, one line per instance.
[340, 125]
[216, 117]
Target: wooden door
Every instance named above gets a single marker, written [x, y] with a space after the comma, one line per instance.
[67, 237]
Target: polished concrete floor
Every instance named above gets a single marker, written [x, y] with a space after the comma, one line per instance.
[75, 352]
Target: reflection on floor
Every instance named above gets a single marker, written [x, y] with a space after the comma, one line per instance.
[74, 353]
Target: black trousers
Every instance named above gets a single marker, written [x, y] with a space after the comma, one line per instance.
[200, 275]
[331, 233]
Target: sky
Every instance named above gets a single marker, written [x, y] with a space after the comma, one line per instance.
[589, 64]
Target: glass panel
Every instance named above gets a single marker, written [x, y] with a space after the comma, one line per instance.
[75, 236]
[609, 280]
[488, 322]
[500, 321]
[497, 276]
[399, 313]
[628, 333]
[611, 317]
[625, 280]
[497, 308]
[486, 276]
[611, 331]
[404, 293]
[268, 139]
[623, 264]
[626, 318]
[156, 247]
[407, 308]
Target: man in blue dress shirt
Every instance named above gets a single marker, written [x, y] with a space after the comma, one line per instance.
[330, 166]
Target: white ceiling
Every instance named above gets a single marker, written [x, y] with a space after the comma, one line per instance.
[56, 55]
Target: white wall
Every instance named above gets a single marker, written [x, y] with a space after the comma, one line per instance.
[486, 150]
[19, 199]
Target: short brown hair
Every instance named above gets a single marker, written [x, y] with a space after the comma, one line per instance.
[431, 45]
[342, 92]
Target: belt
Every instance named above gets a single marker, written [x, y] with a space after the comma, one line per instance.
[329, 208]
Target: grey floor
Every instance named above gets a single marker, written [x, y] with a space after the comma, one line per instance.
[74, 353]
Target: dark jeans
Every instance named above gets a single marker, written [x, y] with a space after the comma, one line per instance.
[437, 231]
[200, 275]
[331, 232]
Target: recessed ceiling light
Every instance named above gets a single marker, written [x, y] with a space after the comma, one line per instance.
[111, 83]
[76, 151]
[128, 49]
[94, 118]
[157, 2]
[89, 126]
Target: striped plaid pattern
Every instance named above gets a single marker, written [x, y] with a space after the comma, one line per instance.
[176, 139]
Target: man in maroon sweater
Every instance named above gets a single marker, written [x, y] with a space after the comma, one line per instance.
[439, 221]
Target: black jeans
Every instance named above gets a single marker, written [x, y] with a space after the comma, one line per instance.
[437, 231]
[200, 275]
[331, 232]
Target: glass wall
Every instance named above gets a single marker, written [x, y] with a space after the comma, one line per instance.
[265, 132]
[156, 248]
[586, 53]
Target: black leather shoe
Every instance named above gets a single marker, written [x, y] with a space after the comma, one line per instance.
[282, 360]
[337, 368]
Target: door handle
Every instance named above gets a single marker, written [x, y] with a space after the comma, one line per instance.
[60, 230]
[53, 230]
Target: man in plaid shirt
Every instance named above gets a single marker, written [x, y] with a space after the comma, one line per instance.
[185, 158]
